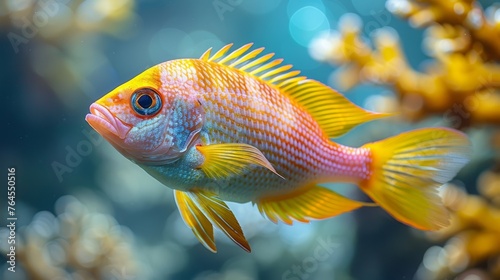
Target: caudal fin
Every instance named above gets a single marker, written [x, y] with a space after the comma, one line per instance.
[407, 169]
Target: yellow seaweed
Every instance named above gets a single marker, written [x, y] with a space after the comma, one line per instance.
[461, 82]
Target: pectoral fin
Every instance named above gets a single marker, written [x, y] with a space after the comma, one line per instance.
[222, 160]
[200, 210]
[308, 203]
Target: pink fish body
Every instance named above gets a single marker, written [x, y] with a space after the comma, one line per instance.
[239, 128]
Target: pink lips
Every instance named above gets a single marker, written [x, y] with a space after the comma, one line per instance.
[105, 123]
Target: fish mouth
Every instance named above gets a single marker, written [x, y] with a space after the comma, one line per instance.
[101, 119]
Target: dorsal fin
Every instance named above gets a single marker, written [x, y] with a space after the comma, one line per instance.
[334, 113]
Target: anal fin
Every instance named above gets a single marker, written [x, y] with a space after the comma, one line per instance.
[308, 203]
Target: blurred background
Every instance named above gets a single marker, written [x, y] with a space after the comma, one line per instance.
[85, 212]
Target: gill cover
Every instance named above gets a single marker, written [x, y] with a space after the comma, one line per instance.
[184, 122]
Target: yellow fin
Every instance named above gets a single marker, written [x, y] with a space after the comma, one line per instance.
[222, 160]
[206, 55]
[305, 204]
[220, 52]
[219, 213]
[201, 209]
[335, 114]
[195, 220]
[407, 169]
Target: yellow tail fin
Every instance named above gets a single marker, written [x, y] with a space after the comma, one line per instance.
[408, 168]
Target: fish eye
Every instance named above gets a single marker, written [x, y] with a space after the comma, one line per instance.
[146, 102]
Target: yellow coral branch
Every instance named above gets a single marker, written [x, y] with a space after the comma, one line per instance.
[466, 14]
[459, 83]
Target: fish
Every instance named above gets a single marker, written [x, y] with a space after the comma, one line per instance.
[242, 126]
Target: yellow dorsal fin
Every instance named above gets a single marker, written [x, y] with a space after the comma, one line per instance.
[308, 203]
[201, 209]
[334, 113]
[206, 55]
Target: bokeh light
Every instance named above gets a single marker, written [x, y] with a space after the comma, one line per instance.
[306, 23]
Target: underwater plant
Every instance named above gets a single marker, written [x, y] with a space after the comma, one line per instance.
[78, 243]
[461, 83]
[472, 242]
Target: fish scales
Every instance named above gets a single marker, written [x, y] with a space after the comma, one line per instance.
[269, 120]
